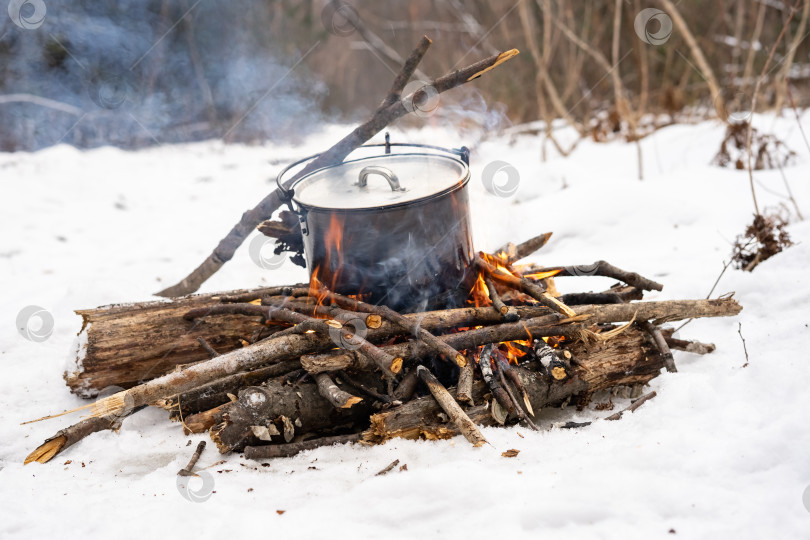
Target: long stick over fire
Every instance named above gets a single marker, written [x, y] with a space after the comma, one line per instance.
[392, 108]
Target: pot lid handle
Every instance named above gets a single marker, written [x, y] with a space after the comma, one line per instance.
[386, 173]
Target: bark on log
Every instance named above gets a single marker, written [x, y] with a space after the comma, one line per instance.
[125, 344]
[269, 451]
[213, 394]
[340, 399]
[457, 416]
[628, 359]
[260, 406]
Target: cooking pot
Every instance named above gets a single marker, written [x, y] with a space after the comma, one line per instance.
[392, 226]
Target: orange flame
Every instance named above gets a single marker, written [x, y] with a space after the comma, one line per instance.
[479, 294]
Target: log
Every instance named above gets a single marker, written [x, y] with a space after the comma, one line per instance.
[660, 343]
[628, 359]
[261, 406]
[456, 414]
[69, 436]
[340, 399]
[211, 395]
[466, 376]
[202, 421]
[270, 451]
[125, 344]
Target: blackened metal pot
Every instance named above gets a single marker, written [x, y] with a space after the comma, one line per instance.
[392, 226]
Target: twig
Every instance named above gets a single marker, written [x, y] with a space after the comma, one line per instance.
[192, 461]
[660, 344]
[330, 391]
[694, 347]
[524, 285]
[457, 415]
[208, 348]
[796, 113]
[389, 468]
[745, 349]
[406, 387]
[632, 407]
[716, 281]
[69, 436]
[604, 269]
[363, 389]
[515, 253]
[465, 383]
[509, 314]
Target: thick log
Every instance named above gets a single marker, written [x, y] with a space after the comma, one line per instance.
[261, 406]
[125, 344]
[628, 359]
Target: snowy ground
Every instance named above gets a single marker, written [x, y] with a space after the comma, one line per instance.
[721, 452]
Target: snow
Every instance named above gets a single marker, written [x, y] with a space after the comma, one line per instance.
[721, 451]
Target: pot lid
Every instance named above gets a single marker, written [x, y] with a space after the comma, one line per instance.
[386, 180]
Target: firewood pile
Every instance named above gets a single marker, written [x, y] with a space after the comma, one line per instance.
[274, 371]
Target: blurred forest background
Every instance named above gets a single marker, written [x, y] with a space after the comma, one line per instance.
[141, 72]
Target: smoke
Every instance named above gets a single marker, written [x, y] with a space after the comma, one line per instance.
[134, 73]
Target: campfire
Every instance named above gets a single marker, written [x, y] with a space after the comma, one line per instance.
[403, 329]
[274, 371]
